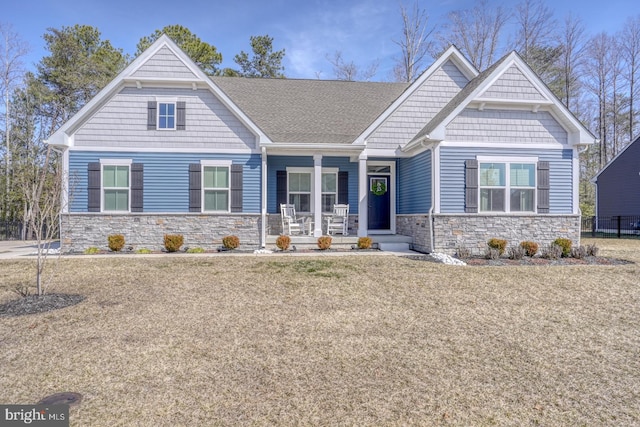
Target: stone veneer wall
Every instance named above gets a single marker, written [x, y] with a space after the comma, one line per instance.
[473, 231]
[81, 231]
[418, 227]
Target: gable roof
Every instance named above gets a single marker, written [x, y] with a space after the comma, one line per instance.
[138, 72]
[310, 111]
[612, 161]
[473, 91]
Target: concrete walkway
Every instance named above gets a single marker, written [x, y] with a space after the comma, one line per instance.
[25, 249]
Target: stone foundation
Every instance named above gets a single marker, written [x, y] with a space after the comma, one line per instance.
[417, 227]
[81, 231]
[473, 231]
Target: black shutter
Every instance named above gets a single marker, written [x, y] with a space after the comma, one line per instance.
[151, 114]
[93, 187]
[137, 187]
[281, 188]
[195, 186]
[471, 186]
[543, 187]
[181, 115]
[343, 187]
[236, 188]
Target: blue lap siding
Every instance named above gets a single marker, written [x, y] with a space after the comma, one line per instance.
[452, 175]
[166, 178]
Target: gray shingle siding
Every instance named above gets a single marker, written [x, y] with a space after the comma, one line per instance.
[164, 64]
[512, 126]
[419, 108]
[513, 85]
[122, 122]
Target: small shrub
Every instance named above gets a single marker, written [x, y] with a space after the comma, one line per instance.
[492, 253]
[499, 244]
[283, 242]
[592, 250]
[565, 244]
[579, 252]
[364, 243]
[173, 242]
[116, 242]
[195, 251]
[530, 248]
[231, 242]
[552, 251]
[91, 251]
[516, 252]
[463, 252]
[324, 242]
[143, 251]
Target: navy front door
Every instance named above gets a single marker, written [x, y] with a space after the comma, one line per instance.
[379, 203]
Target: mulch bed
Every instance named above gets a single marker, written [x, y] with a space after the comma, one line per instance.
[34, 304]
[536, 261]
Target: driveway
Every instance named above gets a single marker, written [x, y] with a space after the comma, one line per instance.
[20, 248]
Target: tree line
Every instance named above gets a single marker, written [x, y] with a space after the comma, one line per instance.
[595, 76]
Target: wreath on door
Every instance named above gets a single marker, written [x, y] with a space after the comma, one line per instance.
[378, 187]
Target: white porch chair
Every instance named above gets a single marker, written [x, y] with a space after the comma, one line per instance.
[338, 222]
[290, 224]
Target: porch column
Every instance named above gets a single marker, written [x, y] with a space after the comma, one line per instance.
[363, 195]
[317, 195]
[263, 201]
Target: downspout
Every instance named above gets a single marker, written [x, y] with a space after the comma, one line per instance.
[263, 208]
[431, 225]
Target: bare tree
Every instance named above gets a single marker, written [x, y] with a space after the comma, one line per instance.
[599, 77]
[414, 45]
[12, 50]
[349, 71]
[630, 49]
[571, 62]
[535, 27]
[42, 188]
[477, 32]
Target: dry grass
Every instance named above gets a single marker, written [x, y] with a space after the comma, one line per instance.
[371, 340]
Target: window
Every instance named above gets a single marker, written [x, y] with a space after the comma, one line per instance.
[300, 191]
[166, 115]
[115, 187]
[216, 188]
[499, 179]
[329, 191]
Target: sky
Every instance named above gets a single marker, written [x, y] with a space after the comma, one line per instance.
[309, 30]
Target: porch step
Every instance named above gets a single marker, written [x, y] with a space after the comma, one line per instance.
[392, 242]
[393, 247]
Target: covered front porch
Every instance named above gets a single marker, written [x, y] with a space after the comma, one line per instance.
[384, 242]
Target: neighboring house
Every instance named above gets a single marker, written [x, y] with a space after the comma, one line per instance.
[618, 185]
[454, 158]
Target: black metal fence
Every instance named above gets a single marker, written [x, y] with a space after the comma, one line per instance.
[10, 230]
[611, 226]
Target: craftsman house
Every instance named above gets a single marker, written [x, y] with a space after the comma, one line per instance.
[454, 158]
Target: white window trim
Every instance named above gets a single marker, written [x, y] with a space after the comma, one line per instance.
[173, 101]
[507, 161]
[215, 163]
[114, 162]
[312, 182]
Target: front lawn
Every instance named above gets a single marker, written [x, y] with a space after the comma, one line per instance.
[353, 340]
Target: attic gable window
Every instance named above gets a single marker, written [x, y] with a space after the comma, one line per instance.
[166, 115]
